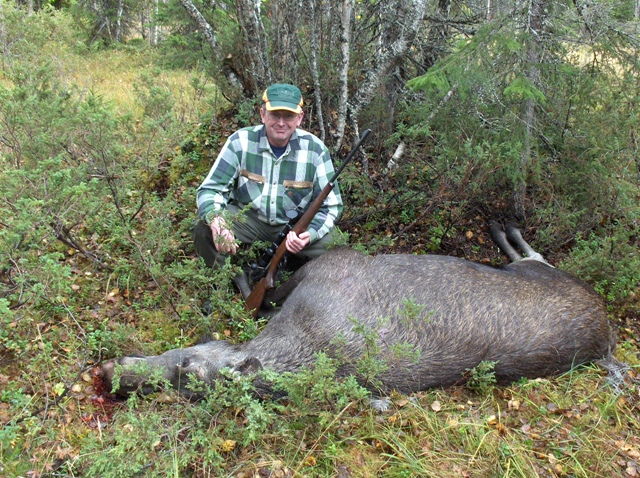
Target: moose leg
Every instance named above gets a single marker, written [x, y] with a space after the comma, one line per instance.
[513, 234]
[500, 238]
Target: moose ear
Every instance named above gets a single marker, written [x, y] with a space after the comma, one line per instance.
[248, 365]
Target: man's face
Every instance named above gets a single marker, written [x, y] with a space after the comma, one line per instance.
[280, 125]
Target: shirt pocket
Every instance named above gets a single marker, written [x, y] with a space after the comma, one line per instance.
[250, 186]
[297, 195]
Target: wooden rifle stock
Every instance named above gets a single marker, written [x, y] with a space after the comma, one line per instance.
[254, 300]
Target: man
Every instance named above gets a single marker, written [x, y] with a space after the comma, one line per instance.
[272, 168]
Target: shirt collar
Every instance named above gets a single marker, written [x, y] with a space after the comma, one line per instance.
[294, 141]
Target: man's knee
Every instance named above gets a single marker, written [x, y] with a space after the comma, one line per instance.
[203, 244]
[199, 230]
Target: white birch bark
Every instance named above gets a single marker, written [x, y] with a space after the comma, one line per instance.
[203, 25]
[255, 43]
[3, 31]
[314, 69]
[119, 20]
[153, 30]
[400, 34]
[343, 81]
[328, 32]
[392, 164]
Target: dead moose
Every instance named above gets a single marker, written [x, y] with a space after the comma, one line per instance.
[529, 318]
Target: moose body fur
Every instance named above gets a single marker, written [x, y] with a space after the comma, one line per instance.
[428, 318]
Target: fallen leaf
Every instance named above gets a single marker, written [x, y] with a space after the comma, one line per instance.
[228, 446]
[627, 449]
[514, 404]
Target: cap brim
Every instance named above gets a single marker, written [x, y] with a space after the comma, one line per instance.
[277, 106]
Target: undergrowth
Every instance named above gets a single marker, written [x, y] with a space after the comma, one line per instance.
[573, 426]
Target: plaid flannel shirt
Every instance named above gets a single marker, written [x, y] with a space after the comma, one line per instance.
[248, 172]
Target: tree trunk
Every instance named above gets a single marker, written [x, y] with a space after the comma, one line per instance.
[343, 78]
[153, 29]
[255, 44]
[404, 19]
[119, 21]
[314, 69]
[328, 33]
[3, 32]
[144, 23]
[252, 82]
[203, 25]
[535, 27]
[284, 44]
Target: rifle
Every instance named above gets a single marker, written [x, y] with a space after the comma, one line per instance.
[254, 300]
[259, 269]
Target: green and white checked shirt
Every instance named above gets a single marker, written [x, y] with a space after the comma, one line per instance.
[248, 172]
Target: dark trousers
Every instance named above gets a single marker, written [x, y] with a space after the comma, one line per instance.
[247, 231]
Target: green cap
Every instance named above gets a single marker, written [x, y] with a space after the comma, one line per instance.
[283, 97]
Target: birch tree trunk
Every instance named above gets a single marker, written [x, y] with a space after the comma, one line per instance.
[203, 25]
[343, 78]
[403, 20]
[119, 20]
[210, 36]
[254, 47]
[153, 30]
[255, 43]
[3, 31]
[314, 69]
[535, 29]
[284, 43]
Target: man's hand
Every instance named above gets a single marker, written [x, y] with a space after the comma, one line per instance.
[223, 237]
[296, 243]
